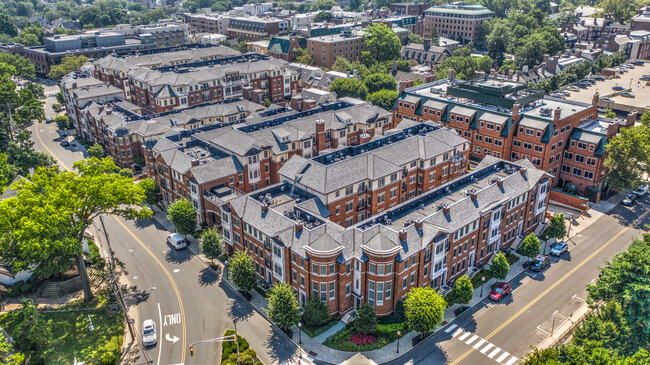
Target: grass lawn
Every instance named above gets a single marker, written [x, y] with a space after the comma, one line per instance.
[71, 334]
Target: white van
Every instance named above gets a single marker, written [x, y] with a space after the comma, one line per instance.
[177, 241]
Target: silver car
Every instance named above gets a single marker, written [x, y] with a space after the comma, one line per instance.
[558, 248]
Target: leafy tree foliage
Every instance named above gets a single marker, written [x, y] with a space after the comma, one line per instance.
[32, 331]
[382, 43]
[349, 87]
[70, 63]
[211, 243]
[242, 271]
[7, 25]
[303, 58]
[7, 172]
[414, 38]
[182, 214]
[380, 81]
[96, 151]
[424, 309]
[283, 305]
[531, 246]
[383, 98]
[500, 267]
[628, 154]
[343, 65]
[462, 291]
[315, 313]
[22, 66]
[151, 191]
[323, 16]
[465, 66]
[366, 319]
[7, 355]
[557, 228]
[42, 227]
[63, 123]
[609, 113]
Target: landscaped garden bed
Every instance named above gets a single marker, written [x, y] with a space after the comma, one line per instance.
[313, 332]
[347, 339]
[247, 356]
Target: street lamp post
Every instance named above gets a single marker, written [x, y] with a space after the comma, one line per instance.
[300, 333]
[399, 334]
[482, 285]
[234, 321]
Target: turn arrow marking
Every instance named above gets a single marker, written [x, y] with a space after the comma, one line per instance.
[171, 339]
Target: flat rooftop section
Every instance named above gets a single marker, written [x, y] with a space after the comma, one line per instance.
[567, 108]
[335, 38]
[598, 125]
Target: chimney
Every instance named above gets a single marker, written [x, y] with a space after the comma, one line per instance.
[515, 110]
[500, 182]
[595, 98]
[451, 74]
[320, 125]
[473, 194]
[511, 73]
[298, 227]
[418, 224]
[109, 111]
[631, 118]
[523, 171]
[427, 44]
[445, 208]
[265, 208]
[364, 137]
[493, 72]
[402, 235]
[101, 108]
[74, 85]
[556, 114]
[195, 162]
[612, 129]
[481, 74]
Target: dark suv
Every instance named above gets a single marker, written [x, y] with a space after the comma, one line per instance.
[540, 263]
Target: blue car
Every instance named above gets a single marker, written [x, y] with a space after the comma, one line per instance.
[628, 95]
[618, 88]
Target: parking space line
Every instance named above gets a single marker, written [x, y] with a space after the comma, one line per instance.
[469, 342]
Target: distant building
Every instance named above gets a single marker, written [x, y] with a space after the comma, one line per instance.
[426, 54]
[205, 23]
[641, 21]
[211, 38]
[258, 47]
[413, 8]
[324, 50]
[255, 29]
[457, 20]
[285, 47]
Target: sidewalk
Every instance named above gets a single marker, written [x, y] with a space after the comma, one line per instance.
[560, 333]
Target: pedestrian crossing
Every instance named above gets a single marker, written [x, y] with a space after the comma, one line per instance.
[486, 348]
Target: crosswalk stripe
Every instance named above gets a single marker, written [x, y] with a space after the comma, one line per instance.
[458, 332]
[503, 356]
[486, 348]
[464, 336]
[496, 350]
[469, 342]
[479, 344]
[450, 328]
[512, 361]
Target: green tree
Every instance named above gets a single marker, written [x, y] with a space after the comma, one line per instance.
[7, 25]
[182, 214]
[323, 16]
[242, 271]
[366, 319]
[377, 82]
[557, 228]
[126, 172]
[498, 42]
[462, 291]
[7, 355]
[63, 122]
[96, 151]
[424, 309]
[530, 53]
[211, 243]
[609, 113]
[283, 305]
[628, 154]
[531, 246]
[403, 65]
[32, 331]
[302, 57]
[315, 313]
[413, 38]
[434, 36]
[607, 325]
[42, 227]
[151, 191]
[382, 43]
[70, 63]
[349, 87]
[29, 40]
[23, 67]
[383, 98]
[7, 172]
[499, 267]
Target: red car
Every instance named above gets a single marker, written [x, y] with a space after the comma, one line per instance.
[500, 291]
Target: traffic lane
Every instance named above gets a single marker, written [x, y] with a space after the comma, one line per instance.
[158, 302]
[47, 140]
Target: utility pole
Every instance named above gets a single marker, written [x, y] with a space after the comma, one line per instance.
[234, 321]
[111, 258]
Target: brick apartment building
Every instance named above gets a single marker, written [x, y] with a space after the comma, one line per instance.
[325, 49]
[505, 119]
[255, 28]
[457, 20]
[205, 23]
[429, 240]
[415, 8]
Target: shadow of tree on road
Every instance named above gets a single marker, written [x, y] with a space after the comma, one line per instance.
[239, 308]
[209, 276]
[281, 349]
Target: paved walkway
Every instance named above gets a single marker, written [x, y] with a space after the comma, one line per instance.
[335, 328]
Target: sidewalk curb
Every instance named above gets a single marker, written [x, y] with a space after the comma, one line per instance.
[565, 328]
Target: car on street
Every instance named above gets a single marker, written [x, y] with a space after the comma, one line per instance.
[629, 65]
[149, 337]
[565, 92]
[573, 88]
[65, 143]
[627, 95]
[607, 99]
[638, 63]
[540, 263]
[177, 241]
[558, 95]
[599, 78]
[641, 190]
[645, 77]
[558, 248]
[500, 291]
[618, 88]
[630, 199]
[584, 85]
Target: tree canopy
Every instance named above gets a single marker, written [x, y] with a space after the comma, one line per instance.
[349, 87]
[182, 214]
[211, 243]
[628, 154]
[242, 271]
[499, 267]
[462, 291]
[383, 98]
[70, 63]
[315, 313]
[531, 246]
[365, 320]
[424, 309]
[557, 228]
[382, 44]
[151, 191]
[283, 305]
[380, 81]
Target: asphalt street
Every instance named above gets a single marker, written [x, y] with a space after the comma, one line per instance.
[187, 301]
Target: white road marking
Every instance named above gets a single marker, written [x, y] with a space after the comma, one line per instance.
[486, 348]
[469, 342]
[503, 356]
[464, 336]
[159, 329]
[450, 328]
[512, 361]
[577, 297]
[135, 277]
[479, 344]
[458, 332]
[543, 330]
[496, 350]
[176, 270]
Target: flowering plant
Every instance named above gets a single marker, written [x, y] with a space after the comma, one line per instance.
[361, 339]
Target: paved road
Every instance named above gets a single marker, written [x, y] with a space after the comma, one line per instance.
[503, 332]
[188, 301]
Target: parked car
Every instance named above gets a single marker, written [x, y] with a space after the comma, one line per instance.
[645, 77]
[573, 88]
[500, 291]
[565, 92]
[591, 81]
[584, 85]
[540, 263]
[630, 65]
[641, 190]
[65, 143]
[618, 88]
[558, 95]
[177, 241]
[607, 99]
[558, 248]
[630, 199]
[599, 78]
[627, 95]
[638, 63]
[149, 337]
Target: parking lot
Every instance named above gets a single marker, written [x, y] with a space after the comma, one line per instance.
[629, 80]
